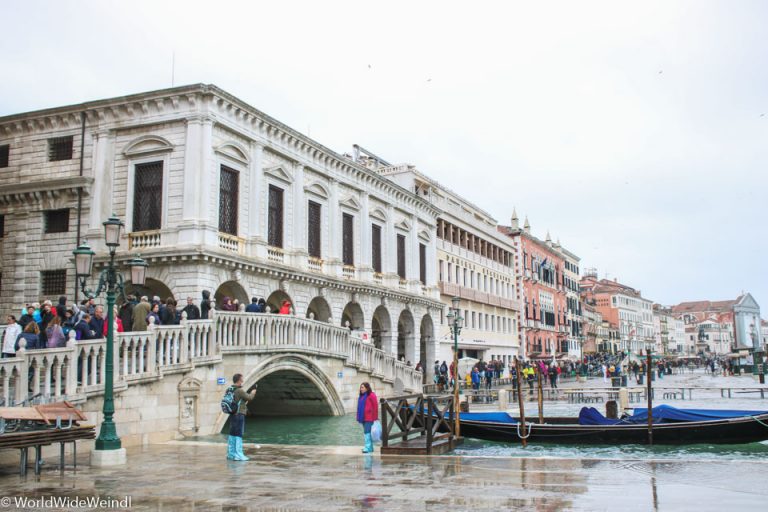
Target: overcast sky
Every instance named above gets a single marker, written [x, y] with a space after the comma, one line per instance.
[634, 132]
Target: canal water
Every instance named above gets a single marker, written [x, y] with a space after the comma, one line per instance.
[345, 431]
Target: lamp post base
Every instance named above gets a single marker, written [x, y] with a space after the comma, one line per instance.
[100, 458]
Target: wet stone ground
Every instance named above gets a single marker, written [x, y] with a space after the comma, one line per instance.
[195, 476]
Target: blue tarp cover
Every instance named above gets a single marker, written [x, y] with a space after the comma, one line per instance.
[668, 413]
[591, 416]
[496, 417]
[663, 414]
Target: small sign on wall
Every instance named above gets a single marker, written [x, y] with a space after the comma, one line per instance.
[221, 381]
[340, 375]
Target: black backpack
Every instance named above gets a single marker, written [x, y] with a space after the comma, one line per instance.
[229, 404]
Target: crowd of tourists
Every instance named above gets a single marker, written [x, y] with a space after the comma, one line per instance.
[48, 325]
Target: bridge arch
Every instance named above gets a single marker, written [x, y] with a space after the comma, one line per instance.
[233, 290]
[381, 329]
[353, 314]
[320, 308]
[151, 288]
[426, 342]
[290, 385]
[405, 336]
[275, 300]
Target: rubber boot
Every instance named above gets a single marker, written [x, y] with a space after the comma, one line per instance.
[368, 444]
[239, 455]
[231, 448]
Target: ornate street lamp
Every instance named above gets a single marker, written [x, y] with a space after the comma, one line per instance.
[456, 322]
[110, 281]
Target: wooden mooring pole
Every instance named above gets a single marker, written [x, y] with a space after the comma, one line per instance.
[520, 401]
[650, 397]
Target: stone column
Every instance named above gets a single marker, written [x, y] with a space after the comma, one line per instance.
[257, 204]
[192, 206]
[334, 230]
[207, 173]
[389, 258]
[412, 255]
[365, 268]
[299, 235]
[192, 170]
[101, 195]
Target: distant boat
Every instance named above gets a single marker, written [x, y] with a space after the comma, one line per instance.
[670, 426]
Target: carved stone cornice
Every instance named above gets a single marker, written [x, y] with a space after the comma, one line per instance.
[34, 192]
[176, 256]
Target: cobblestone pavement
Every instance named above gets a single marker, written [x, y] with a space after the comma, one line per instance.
[195, 476]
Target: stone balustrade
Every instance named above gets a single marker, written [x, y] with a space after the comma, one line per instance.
[78, 371]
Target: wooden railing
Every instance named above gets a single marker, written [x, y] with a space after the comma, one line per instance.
[406, 412]
[77, 371]
[428, 416]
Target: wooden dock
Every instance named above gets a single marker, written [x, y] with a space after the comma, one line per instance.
[420, 430]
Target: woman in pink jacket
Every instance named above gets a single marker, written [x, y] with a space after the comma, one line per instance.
[367, 413]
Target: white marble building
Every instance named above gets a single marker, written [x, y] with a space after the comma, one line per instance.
[476, 264]
[217, 196]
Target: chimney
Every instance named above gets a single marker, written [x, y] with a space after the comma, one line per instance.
[527, 225]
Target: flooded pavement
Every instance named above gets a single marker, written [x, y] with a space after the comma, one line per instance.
[196, 476]
[313, 467]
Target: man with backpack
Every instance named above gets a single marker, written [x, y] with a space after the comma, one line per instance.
[234, 403]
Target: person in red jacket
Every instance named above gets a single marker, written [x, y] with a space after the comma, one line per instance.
[367, 413]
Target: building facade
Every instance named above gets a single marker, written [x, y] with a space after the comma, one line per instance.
[726, 326]
[474, 263]
[543, 315]
[624, 308]
[571, 278]
[218, 196]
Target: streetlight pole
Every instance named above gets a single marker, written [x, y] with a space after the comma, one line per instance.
[456, 321]
[111, 281]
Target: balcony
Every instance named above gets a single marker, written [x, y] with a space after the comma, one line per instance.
[348, 272]
[276, 255]
[463, 292]
[231, 243]
[315, 264]
[144, 239]
[472, 256]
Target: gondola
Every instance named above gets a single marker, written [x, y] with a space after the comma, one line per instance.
[670, 426]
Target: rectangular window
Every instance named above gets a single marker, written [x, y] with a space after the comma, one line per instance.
[60, 148]
[56, 221]
[376, 247]
[401, 256]
[275, 214]
[4, 153]
[314, 223]
[53, 282]
[440, 269]
[423, 264]
[148, 196]
[229, 185]
[2, 226]
[347, 239]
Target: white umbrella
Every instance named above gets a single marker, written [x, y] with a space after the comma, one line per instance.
[466, 364]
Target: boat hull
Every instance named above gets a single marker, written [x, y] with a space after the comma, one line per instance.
[722, 431]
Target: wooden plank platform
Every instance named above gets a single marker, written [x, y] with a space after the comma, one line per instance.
[418, 446]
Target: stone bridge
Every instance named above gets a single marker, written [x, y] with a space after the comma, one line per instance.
[168, 379]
